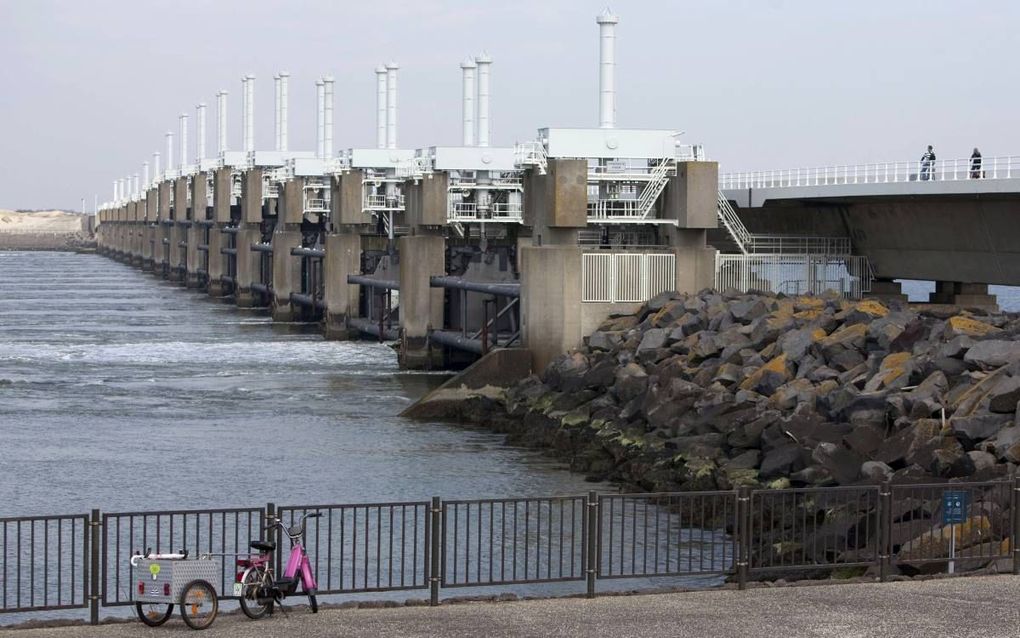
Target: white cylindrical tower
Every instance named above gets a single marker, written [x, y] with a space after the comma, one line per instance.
[276, 112]
[244, 112]
[607, 69]
[484, 63]
[221, 122]
[284, 116]
[468, 72]
[116, 190]
[156, 176]
[169, 150]
[320, 118]
[200, 126]
[184, 139]
[391, 105]
[135, 186]
[145, 176]
[380, 107]
[249, 114]
[327, 132]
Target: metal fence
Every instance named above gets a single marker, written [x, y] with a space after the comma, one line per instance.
[82, 561]
[793, 274]
[630, 277]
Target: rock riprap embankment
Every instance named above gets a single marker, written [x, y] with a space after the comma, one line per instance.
[720, 390]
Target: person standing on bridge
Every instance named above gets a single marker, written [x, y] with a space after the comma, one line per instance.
[928, 164]
[975, 164]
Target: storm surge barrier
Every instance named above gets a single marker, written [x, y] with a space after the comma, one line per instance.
[81, 561]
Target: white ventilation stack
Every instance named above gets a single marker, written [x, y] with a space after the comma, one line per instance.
[244, 112]
[380, 107]
[221, 122]
[249, 113]
[200, 125]
[156, 176]
[327, 127]
[116, 190]
[468, 71]
[607, 69]
[169, 150]
[284, 115]
[391, 105]
[145, 176]
[276, 111]
[320, 118]
[135, 189]
[184, 140]
[484, 63]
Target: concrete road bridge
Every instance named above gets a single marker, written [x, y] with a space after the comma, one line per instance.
[951, 221]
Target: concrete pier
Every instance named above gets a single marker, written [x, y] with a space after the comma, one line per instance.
[963, 294]
[421, 306]
[343, 258]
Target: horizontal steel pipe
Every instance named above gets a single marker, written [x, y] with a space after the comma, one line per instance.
[228, 251]
[371, 282]
[503, 289]
[371, 326]
[455, 340]
[301, 251]
[301, 299]
[259, 287]
[262, 248]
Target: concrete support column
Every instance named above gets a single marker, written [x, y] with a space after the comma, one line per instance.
[421, 305]
[551, 306]
[286, 273]
[247, 266]
[216, 244]
[194, 233]
[963, 294]
[887, 290]
[343, 258]
[162, 256]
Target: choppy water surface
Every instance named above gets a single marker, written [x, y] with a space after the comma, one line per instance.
[119, 391]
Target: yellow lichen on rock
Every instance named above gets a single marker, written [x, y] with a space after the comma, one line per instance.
[872, 307]
[966, 326]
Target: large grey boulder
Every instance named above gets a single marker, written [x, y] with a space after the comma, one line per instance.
[1004, 397]
[993, 353]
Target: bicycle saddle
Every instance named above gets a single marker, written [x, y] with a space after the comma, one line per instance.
[263, 546]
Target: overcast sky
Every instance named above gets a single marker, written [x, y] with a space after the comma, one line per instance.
[90, 87]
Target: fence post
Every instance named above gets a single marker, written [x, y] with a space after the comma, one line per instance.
[273, 531]
[1015, 540]
[743, 534]
[591, 542]
[435, 561]
[885, 530]
[94, 575]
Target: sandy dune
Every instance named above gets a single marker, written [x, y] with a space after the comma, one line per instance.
[51, 221]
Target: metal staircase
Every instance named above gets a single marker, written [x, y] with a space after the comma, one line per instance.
[650, 193]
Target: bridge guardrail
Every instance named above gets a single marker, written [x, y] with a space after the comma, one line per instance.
[939, 170]
[80, 561]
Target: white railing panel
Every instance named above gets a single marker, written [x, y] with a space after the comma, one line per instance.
[626, 277]
[849, 275]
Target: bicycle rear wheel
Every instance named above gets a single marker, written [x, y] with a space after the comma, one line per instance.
[255, 603]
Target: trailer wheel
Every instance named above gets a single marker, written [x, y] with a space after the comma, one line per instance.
[154, 614]
[199, 604]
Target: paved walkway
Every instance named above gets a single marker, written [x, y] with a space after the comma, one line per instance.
[981, 607]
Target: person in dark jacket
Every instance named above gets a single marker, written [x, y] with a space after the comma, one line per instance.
[928, 164]
[975, 164]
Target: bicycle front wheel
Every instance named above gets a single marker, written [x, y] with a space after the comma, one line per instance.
[255, 602]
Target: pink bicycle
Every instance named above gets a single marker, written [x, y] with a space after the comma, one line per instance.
[258, 588]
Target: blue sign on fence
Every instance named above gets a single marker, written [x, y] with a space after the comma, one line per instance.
[954, 507]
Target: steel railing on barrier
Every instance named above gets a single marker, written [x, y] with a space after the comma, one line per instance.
[626, 277]
[82, 561]
[939, 170]
[795, 274]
